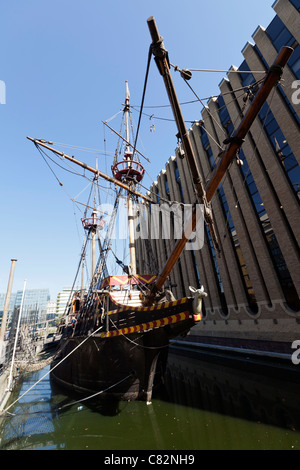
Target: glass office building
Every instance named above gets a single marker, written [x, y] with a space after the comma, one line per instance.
[34, 304]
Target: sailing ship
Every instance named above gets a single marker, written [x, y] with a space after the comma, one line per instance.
[115, 336]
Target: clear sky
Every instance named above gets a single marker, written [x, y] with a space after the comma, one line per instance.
[64, 64]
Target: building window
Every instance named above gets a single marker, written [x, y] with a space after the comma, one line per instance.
[217, 275]
[207, 147]
[167, 188]
[157, 197]
[249, 291]
[296, 4]
[280, 266]
[276, 255]
[244, 274]
[277, 139]
[177, 177]
[281, 148]
[295, 67]
[281, 36]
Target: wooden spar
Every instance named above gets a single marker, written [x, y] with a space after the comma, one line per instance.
[162, 61]
[161, 58]
[6, 304]
[10, 378]
[93, 170]
[272, 78]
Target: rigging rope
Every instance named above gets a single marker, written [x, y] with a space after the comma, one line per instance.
[95, 394]
[72, 403]
[82, 149]
[143, 97]
[56, 365]
[224, 71]
[79, 264]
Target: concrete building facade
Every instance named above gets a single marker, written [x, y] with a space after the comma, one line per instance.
[253, 285]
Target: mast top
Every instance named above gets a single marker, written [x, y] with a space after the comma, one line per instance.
[127, 97]
[128, 170]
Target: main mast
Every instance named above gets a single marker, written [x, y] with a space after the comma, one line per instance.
[130, 172]
[128, 157]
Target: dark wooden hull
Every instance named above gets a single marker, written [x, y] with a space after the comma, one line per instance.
[121, 364]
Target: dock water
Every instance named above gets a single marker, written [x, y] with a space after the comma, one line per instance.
[204, 405]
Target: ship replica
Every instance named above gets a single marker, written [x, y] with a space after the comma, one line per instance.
[115, 336]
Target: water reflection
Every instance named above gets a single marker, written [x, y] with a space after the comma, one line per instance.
[31, 419]
[203, 405]
[252, 393]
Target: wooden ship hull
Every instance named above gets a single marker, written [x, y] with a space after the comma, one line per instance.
[129, 347]
[114, 339]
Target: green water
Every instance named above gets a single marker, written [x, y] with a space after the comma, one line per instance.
[204, 411]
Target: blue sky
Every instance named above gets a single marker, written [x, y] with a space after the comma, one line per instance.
[65, 63]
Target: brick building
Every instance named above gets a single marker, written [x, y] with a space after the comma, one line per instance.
[253, 286]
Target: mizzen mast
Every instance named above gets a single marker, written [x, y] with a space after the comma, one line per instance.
[93, 224]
